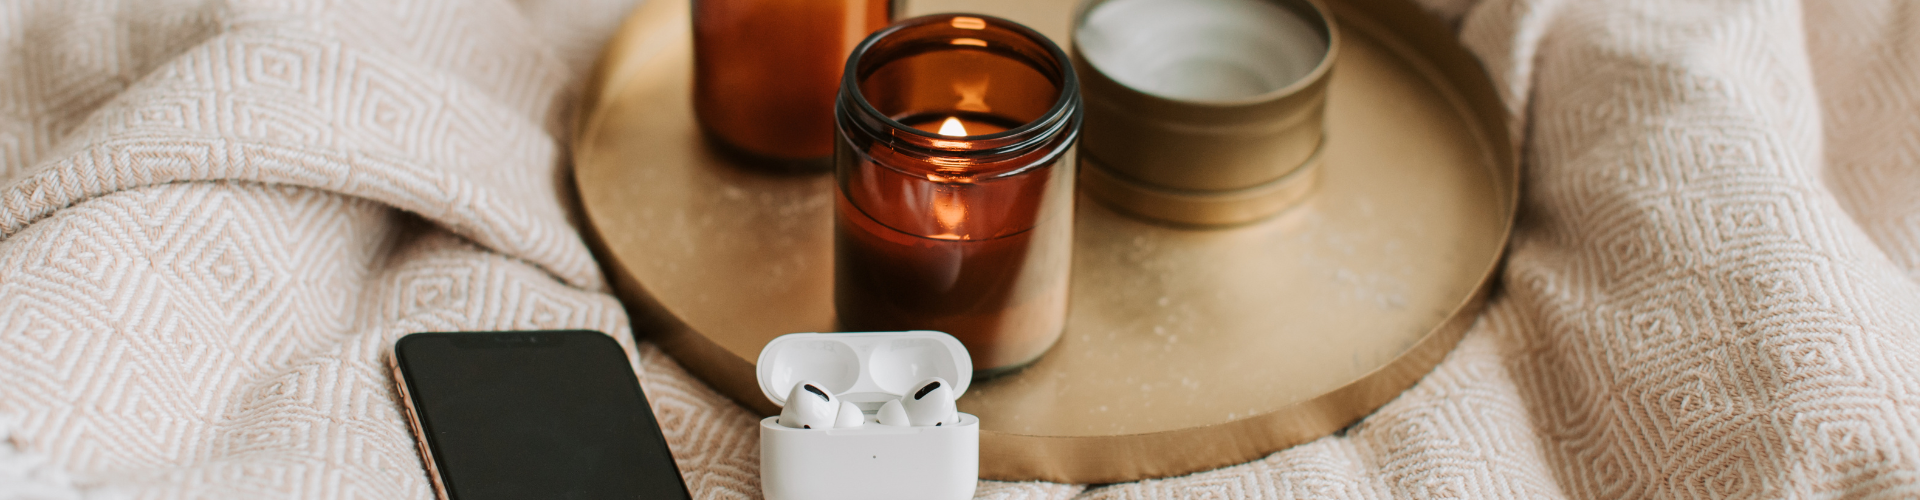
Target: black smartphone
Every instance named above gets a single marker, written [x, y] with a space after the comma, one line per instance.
[517, 415]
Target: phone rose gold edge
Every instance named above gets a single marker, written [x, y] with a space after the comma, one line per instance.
[413, 423]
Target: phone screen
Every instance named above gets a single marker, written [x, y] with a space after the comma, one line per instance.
[535, 415]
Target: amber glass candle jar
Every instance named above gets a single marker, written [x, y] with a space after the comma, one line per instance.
[954, 209]
[765, 72]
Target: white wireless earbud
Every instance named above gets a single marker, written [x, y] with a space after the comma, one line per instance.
[810, 406]
[893, 414]
[930, 403]
[850, 416]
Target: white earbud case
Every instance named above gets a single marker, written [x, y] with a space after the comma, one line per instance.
[872, 460]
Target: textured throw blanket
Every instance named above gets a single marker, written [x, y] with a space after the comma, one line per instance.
[216, 216]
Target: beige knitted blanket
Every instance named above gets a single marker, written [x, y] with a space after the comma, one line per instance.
[216, 215]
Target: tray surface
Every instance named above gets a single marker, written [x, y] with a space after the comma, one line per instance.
[1186, 349]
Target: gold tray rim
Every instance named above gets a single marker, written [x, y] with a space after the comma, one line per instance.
[1123, 457]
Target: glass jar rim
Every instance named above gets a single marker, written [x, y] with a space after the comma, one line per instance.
[1061, 117]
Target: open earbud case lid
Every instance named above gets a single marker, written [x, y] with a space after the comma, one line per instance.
[865, 367]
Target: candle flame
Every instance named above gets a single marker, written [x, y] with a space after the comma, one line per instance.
[953, 128]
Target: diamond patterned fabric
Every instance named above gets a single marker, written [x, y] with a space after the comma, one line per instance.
[216, 215]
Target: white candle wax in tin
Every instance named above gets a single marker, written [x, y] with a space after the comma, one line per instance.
[1203, 50]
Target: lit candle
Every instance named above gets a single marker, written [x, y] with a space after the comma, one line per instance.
[953, 212]
[954, 126]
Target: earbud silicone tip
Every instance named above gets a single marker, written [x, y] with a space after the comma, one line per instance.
[893, 414]
[850, 416]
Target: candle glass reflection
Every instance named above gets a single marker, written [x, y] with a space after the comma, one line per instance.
[766, 71]
[954, 210]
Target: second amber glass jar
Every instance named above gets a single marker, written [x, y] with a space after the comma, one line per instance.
[953, 209]
[765, 72]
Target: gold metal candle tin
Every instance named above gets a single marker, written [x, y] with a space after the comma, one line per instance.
[1200, 159]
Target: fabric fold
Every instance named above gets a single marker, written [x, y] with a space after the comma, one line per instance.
[473, 147]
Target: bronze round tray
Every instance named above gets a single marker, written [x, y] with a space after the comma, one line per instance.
[1186, 349]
